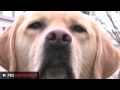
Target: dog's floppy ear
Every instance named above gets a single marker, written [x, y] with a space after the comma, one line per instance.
[108, 56]
[7, 52]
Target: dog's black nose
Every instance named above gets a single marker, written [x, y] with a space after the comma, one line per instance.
[59, 38]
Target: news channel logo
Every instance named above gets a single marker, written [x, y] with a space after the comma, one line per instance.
[19, 75]
[6, 75]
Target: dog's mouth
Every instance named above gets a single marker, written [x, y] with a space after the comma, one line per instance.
[55, 70]
[56, 63]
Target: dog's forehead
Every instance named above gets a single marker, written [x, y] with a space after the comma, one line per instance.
[55, 14]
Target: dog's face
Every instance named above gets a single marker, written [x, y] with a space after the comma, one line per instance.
[59, 45]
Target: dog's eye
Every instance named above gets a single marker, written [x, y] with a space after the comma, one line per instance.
[78, 28]
[37, 25]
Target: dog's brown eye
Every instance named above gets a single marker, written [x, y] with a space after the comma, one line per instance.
[37, 25]
[78, 28]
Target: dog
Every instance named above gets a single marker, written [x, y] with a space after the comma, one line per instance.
[58, 45]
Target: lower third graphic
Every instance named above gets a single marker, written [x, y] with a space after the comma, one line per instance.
[19, 75]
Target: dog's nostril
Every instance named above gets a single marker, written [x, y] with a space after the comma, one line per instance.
[66, 38]
[51, 36]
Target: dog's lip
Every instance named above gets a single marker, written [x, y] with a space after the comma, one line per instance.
[55, 63]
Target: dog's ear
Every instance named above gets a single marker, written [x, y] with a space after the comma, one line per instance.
[108, 56]
[7, 46]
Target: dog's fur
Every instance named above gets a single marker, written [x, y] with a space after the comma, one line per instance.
[89, 55]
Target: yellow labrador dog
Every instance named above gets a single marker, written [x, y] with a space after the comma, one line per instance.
[58, 45]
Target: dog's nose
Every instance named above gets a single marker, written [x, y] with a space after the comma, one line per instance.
[59, 38]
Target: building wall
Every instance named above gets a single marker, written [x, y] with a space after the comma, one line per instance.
[5, 21]
[7, 18]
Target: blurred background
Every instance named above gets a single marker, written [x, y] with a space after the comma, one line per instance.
[7, 17]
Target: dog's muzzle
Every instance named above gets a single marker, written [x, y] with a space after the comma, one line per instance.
[56, 63]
